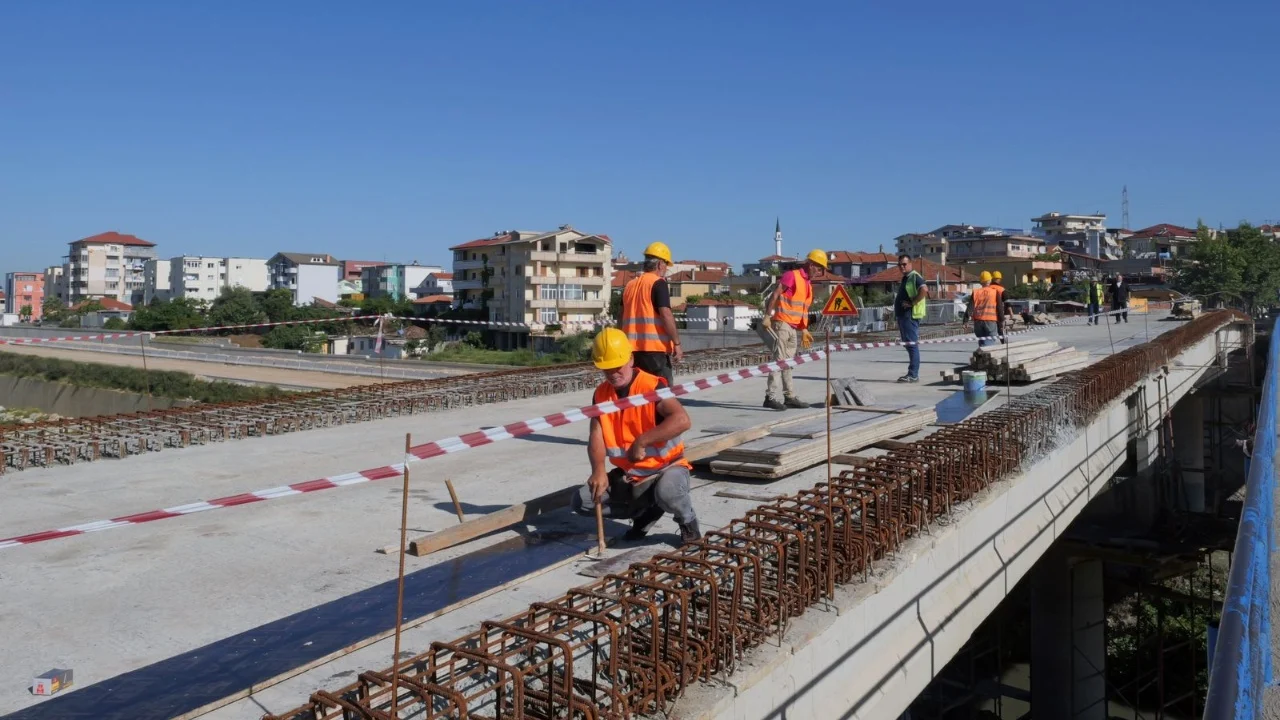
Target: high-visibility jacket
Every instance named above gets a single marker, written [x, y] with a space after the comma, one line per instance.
[986, 304]
[911, 285]
[999, 294]
[620, 429]
[1096, 294]
[794, 309]
[640, 318]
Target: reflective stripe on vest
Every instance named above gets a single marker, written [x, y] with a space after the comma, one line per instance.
[620, 430]
[794, 309]
[640, 319]
[985, 302]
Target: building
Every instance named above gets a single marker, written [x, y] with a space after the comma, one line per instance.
[437, 283]
[306, 276]
[353, 270]
[55, 283]
[1087, 234]
[1163, 240]
[24, 291]
[715, 314]
[155, 281]
[769, 265]
[432, 305]
[204, 278]
[922, 245]
[111, 308]
[108, 265]
[857, 264]
[535, 278]
[696, 282]
[395, 280]
[993, 245]
[949, 280]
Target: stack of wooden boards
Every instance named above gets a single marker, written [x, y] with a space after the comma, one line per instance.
[792, 447]
[1027, 360]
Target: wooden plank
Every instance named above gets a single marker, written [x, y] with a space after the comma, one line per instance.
[891, 445]
[846, 459]
[492, 522]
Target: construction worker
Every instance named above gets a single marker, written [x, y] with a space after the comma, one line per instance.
[646, 316]
[908, 310]
[1095, 296]
[985, 310]
[650, 475]
[1119, 298]
[997, 282]
[785, 324]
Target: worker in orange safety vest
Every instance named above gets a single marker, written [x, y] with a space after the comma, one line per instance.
[986, 309]
[784, 327]
[644, 444]
[646, 316]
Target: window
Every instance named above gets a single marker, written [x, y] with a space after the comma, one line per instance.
[519, 270]
[209, 266]
[548, 316]
[113, 272]
[561, 292]
[597, 271]
[584, 248]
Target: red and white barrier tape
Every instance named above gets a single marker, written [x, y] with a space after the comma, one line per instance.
[476, 439]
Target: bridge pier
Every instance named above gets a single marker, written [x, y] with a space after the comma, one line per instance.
[1069, 649]
[1188, 450]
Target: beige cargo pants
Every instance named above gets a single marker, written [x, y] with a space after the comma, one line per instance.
[781, 341]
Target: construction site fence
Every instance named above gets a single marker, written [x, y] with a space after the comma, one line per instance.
[631, 644]
[1240, 668]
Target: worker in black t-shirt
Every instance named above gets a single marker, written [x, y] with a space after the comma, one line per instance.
[646, 316]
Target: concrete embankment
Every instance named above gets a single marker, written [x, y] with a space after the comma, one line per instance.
[74, 400]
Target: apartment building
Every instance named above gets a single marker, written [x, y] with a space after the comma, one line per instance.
[155, 281]
[24, 291]
[55, 283]
[396, 280]
[353, 270]
[437, 283]
[307, 276]
[534, 278]
[991, 245]
[1086, 234]
[1164, 239]
[108, 265]
[204, 278]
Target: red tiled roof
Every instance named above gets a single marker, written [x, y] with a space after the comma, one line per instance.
[433, 299]
[702, 276]
[719, 302]
[112, 238]
[777, 258]
[484, 242]
[622, 277]
[442, 276]
[823, 277]
[929, 269]
[109, 304]
[1163, 230]
[713, 264]
[859, 258]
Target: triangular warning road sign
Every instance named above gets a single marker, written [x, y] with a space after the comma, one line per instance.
[840, 303]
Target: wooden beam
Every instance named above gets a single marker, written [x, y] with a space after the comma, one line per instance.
[754, 497]
[891, 445]
[492, 522]
[708, 449]
[846, 459]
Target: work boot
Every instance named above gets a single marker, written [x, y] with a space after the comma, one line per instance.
[908, 379]
[643, 523]
[690, 532]
[774, 404]
[795, 402]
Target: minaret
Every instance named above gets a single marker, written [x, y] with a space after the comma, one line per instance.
[777, 237]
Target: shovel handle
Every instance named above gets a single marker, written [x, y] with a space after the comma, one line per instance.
[599, 529]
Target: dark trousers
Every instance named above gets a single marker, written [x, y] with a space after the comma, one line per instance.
[909, 331]
[655, 363]
[1118, 307]
[1095, 309]
[625, 500]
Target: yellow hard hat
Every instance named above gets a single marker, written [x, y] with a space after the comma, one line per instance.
[660, 251]
[985, 277]
[997, 275]
[818, 256]
[611, 348]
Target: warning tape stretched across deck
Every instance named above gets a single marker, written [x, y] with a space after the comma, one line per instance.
[475, 439]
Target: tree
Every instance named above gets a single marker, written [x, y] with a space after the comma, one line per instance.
[236, 306]
[278, 305]
[1214, 267]
[615, 306]
[1260, 280]
[177, 314]
[24, 313]
[53, 310]
[114, 323]
[292, 337]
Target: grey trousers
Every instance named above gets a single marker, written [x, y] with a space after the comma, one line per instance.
[781, 341]
[624, 500]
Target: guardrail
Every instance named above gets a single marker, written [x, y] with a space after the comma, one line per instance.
[1241, 665]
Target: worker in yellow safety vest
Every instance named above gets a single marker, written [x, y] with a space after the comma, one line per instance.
[646, 315]
[784, 327]
[1096, 295]
[986, 311]
[644, 444]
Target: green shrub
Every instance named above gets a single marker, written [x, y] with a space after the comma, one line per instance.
[163, 383]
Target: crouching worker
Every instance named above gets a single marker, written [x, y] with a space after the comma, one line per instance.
[650, 475]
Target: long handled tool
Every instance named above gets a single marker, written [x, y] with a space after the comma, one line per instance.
[599, 530]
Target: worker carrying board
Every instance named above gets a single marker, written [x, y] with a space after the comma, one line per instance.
[644, 444]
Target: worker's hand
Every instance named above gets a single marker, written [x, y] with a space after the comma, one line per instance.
[598, 482]
[806, 340]
[635, 453]
[766, 323]
[677, 355]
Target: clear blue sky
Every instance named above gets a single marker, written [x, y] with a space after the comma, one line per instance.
[393, 130]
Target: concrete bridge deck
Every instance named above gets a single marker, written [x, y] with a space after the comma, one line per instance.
[108, 603]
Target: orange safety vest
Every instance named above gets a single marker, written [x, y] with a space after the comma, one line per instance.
[640, 318]
[986, 303]
[622, 428]
[794, 310]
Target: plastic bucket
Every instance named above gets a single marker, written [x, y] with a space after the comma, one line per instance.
[974, 380]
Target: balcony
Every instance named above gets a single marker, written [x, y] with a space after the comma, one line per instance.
[467, 285]
[552, 280]
[467, 265]
[569, 304]
[569, 257]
